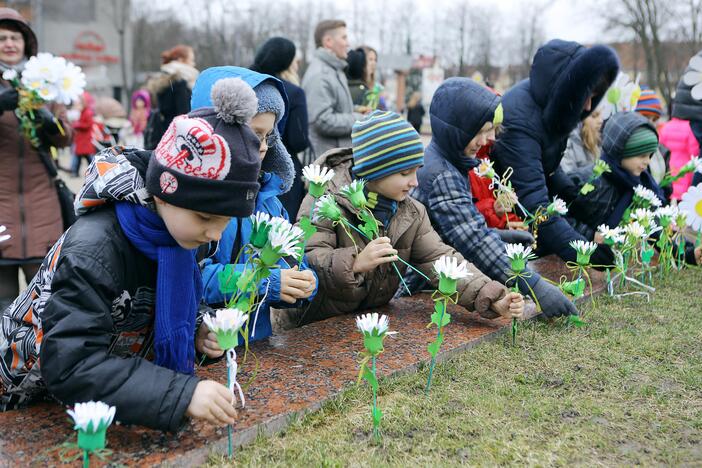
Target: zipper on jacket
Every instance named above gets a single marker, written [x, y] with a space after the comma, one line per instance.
[23, 230]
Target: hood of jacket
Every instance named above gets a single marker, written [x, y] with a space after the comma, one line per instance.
[459, 109]
[685, 105]
[563, 75]
[116, 174]
[618, 129]
[277, 160]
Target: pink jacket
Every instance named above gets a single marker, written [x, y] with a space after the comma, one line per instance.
[677, 136]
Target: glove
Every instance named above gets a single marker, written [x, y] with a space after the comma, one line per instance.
[602, 256]
[46, 121]
[552, 301]
[8, 99]
[514, 236]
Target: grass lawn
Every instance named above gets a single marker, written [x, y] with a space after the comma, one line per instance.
[625, 390]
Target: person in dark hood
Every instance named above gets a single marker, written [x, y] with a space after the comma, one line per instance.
[566, 83]
[463, 116]
[629, 141]
[278, 57]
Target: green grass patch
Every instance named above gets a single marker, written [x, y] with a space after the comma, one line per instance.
[625, 390]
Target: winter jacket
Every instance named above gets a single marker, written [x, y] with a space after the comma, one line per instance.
[685, 107]
[415, 115]
[358, 91]
[457, 113]
[539, 114]
[235, 236]
[329, 103]
[83, 136]
[29, 205]
[677, 136]
[332, 253]
[84, 327]
[296, 140]
[171, 89]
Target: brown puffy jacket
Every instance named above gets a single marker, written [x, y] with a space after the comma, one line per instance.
[332, 254]
[29, 205]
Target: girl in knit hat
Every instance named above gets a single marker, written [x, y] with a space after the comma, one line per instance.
[287, 286]
[122, 284]
[356, 274]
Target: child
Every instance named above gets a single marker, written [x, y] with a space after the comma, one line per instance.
[123, 280]
[386, 153]
[286, 286]
[498, 214]
[628, 142]
[84, 148]
[462, 121]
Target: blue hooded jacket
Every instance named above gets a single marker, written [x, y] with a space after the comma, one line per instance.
[273, 180]
[540, 112]
[459, 109]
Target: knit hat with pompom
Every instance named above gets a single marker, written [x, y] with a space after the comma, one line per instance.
[208, 160]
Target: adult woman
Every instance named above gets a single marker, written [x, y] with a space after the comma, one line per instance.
[277, 57]
[29, 204]
[171, 89]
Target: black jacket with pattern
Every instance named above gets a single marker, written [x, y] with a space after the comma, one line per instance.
[83, 328]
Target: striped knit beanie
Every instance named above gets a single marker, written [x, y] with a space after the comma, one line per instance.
[649, 103]
[642, 141]
[383, 144]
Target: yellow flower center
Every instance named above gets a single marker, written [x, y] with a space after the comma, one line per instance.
[698, 207]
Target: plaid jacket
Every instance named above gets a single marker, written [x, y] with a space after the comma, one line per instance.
[446, 193]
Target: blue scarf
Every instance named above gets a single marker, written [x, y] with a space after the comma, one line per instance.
[178, 285]
[622, 179]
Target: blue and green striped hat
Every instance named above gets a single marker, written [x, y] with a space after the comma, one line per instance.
[383, 144]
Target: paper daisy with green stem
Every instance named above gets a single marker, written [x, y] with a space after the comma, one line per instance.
[693, 165]
[679, 237]
[598, 169]
[666, 219]
[91, 420]
[556, 208]
[449, 271]
[374, 328]
[226, 325]
[518, 256]
[583, 252]
[318, 177]
[614, 238]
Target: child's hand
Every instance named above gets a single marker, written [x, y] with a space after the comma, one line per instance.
[512, 305]
[206, 343]
[295, 285]
[599, 238]
[698, 255]
[212, 402]
[518, 225]
[499, 208]
[377, 252]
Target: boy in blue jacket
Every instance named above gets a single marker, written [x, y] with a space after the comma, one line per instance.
[287, 286]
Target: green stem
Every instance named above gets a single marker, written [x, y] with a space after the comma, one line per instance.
[514, 331]
[433, 358]
[376, 429]
[229, 426]
[86, 459]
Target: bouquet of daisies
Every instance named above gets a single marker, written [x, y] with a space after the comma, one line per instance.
[45, 78]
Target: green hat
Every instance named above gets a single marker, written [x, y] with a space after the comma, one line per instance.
[642, 141]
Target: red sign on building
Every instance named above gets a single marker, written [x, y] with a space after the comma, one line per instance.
[88, 49]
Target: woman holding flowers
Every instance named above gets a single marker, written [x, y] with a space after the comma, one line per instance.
[29, 205]
[356, 273]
